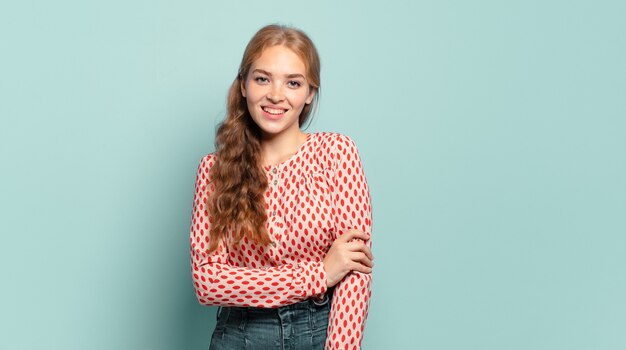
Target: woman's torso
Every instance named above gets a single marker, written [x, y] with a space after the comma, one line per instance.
[299, 208]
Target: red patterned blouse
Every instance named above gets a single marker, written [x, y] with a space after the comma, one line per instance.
[317, 194]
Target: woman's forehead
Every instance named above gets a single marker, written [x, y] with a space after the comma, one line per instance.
[279, 60]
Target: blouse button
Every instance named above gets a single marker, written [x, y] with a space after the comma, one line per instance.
[275, 182]
[274, 170]
[274, 213]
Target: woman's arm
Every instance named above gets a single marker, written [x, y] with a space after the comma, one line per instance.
[216, 282]
[353, 210]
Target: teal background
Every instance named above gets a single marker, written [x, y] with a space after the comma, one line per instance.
[492, 134]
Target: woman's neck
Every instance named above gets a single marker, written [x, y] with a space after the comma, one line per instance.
[279, 148]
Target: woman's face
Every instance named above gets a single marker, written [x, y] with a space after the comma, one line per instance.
[276, 91]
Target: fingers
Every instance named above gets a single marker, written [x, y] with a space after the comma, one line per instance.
[361, 268]
[361, 258]
[353, 234]
[359, 246]
[350, 252]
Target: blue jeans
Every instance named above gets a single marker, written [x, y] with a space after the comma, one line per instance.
[300, 326]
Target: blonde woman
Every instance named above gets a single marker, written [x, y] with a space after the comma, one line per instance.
[281, 221]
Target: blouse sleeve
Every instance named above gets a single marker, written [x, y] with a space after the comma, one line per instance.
[353, 210]
[217, 282]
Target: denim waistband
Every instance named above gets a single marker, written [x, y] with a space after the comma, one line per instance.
[306, 304]
[301, 325]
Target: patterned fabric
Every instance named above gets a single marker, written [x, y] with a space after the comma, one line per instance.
[313, 197]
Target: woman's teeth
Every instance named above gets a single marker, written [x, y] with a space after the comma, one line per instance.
[273, 111]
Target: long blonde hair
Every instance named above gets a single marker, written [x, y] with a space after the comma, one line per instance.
[238, 176]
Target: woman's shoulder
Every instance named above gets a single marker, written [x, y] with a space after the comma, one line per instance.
[208, 160]
[331, 147]
[205, 165]
[335, 143]
[333, 140]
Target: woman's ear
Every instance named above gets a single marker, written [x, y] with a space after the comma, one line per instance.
[309, 98]
[242, 86]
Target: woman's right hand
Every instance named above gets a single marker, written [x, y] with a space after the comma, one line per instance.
[347, 253]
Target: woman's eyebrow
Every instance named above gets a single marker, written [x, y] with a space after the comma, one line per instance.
[294, 75]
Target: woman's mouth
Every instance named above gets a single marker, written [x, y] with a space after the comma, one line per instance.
[273, 113]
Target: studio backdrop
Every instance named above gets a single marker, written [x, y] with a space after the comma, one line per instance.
[492, 135]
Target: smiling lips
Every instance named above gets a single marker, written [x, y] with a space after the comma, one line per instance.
[273, 113]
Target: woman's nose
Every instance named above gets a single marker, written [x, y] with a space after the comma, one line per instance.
[275, 94]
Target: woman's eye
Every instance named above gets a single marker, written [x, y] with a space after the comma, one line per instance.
[261, 80]
[294, 84]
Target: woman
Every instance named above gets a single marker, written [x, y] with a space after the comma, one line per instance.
[281, 222]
